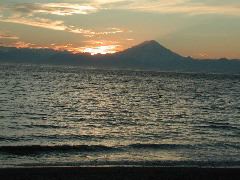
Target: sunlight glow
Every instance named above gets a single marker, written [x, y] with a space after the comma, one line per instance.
[109, 49]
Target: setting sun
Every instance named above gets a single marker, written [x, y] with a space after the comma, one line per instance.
[108, 49]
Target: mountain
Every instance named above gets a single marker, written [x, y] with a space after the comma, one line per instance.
[150, 50]
[149, 55]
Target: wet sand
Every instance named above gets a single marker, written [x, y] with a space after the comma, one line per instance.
[118, 173]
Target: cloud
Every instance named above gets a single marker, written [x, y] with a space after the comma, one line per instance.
[100, 42]
[8, 36]
[57, 25]
[18, 44]
[178, 7]
[21, 44]
[36, 22]
[92, 47]
[98, 49]
[196, 9]
[62, 9]
[189, 7]
[73, 7]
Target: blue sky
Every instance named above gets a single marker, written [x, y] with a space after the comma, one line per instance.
[203, 29]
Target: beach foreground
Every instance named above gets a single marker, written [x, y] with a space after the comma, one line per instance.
[121, 173]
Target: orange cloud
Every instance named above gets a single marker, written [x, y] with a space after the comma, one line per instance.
[36, 22]
[19, 44]
[203, 55]
[8, 36]
[57, 25]
[92, 47]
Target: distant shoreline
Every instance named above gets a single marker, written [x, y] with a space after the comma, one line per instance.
[149, 55]
[138, 173]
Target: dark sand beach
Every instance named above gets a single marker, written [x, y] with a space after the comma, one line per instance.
[119, 173]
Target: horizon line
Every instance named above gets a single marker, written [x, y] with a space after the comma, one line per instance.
[112, 53]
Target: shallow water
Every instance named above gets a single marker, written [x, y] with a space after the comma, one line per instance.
[71, 116]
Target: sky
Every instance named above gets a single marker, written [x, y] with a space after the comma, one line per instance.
[197, 28]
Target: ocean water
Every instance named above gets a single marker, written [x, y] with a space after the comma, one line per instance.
[68, 116]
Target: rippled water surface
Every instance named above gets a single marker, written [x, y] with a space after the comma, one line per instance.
[71, 116]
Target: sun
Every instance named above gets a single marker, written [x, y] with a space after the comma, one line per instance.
[108, 49]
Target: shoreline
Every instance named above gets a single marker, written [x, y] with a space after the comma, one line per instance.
[116, 166]
[95, 173]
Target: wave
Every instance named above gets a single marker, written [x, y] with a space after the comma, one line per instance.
[140, 163]
[45, 126]
[224, 127]
[4, 138]
[40, 149]
[221, 126]
[161, 146]
[45, 149]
